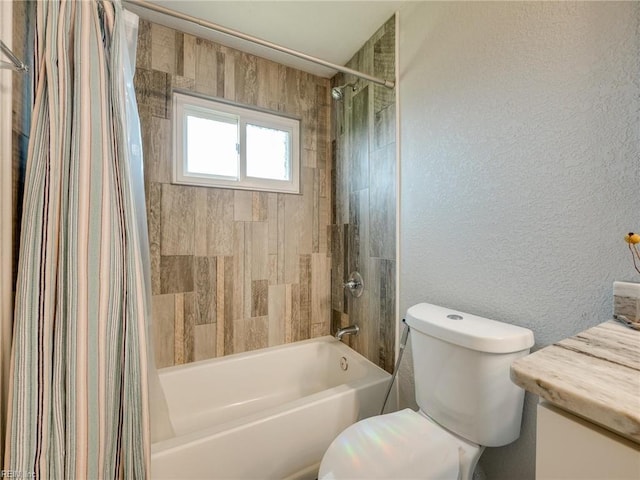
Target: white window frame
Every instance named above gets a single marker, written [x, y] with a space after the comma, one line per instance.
[214, 109]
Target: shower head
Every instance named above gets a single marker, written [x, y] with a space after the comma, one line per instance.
[338, 92]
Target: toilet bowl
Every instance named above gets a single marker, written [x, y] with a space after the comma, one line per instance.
[400, 445]
[467, 402]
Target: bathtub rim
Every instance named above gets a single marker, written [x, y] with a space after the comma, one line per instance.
[264, 351]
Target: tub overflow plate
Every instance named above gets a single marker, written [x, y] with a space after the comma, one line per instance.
[344, 364]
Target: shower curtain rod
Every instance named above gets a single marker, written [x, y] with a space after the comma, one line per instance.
[15, 63]
[259, 41]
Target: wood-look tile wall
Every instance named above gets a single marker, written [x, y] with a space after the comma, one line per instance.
[232, 270]
[364, 210]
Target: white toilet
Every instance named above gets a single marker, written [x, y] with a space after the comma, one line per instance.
[466, 398]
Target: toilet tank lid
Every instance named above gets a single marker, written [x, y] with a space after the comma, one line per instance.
[467, 330]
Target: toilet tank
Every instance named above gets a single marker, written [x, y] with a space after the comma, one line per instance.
[461, 366]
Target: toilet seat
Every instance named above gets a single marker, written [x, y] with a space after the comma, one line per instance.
[400, 445]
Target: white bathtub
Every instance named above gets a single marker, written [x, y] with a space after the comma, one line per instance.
[269, 414]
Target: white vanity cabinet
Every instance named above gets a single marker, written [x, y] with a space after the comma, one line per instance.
[568, 447]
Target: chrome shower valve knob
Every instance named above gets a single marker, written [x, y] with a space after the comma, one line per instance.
[354, 284]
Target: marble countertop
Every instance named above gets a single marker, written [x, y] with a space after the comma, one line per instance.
[594, 374]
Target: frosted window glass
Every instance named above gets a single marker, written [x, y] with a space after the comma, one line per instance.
[212, 147]
[268, 153]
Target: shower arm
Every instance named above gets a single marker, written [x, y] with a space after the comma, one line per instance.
[265, 43]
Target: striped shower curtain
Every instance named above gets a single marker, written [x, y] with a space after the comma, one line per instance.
[78, 404]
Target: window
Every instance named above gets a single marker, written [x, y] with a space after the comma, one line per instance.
[224, 145]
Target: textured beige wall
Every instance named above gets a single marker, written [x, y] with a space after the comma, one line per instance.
[232, 270]
[364, 213]
[520, 142]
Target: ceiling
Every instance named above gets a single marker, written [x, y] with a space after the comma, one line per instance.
[331, 30]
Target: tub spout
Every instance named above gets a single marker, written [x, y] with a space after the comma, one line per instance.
[350, 330]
